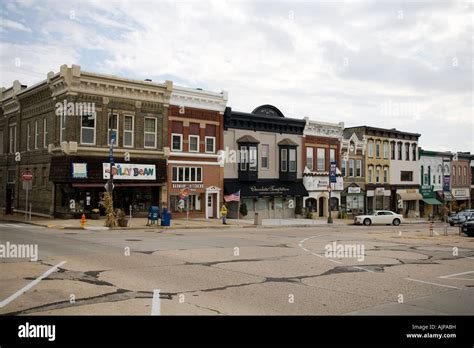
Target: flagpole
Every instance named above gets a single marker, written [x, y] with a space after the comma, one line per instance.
[238, 212]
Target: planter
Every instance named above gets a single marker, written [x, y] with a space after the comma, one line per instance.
[122, 223]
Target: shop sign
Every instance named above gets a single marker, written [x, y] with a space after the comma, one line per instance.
[322, 183]
[79, 170]
[127, 171]
[446, 183]
[461, 193]
[353, 190]
[379, 191]
[190, 186]
[427, 191]
[274, 190]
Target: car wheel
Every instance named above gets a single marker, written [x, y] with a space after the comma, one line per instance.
[396, 222]
[367, 222]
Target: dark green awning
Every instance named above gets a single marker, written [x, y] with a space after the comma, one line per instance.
[431, 201]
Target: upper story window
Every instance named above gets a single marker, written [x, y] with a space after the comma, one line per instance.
[399, 150]
[406, 176]
[321, 159]
[113, 128]
[392, 150]
[62, 127]
[454, 175]
[332, 155]
[45, 132]
[371, 148]
[358, 168]
[193, 143]
[265, 156]
[88, 129]
[12, 139]
[150, 132]
[377, 174]
[370, 174]
[128, 129]
[309, 158]
[210, 140]
[385, 174]
[284, 160]
[413, 155]
[292, 160]
[176, 142]
[28, 136]
[343, 168]
[385, 149]
[186, 174]
[248, 158]
[459, 176]
[407, 151]
[351, 167]
[465, 176]
[377, 149]
[36, 135]
[252, 158]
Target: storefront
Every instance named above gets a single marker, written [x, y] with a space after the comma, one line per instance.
[270, 198]
[378, 198]
[429, 205]
[317, 187]
[79, 185]
[408, 202]
[353, 199]
[461, 197]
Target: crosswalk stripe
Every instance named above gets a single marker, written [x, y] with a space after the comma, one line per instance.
[19, 225]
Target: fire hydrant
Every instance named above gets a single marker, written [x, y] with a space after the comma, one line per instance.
[83, 220]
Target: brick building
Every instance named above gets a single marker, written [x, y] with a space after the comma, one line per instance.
[61, 128]
[196, 176]
[461, 179]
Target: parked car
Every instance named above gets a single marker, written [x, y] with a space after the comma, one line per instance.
[468, 228]
[460, 218]
[385, 217]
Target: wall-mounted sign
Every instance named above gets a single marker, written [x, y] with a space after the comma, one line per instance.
[379, 191]
[190, 186]
[353, 189]
[321, 183]
[461, 193]
[332, 171]
[128, 171]
[446, 183]
[79, 170]
[272, 189]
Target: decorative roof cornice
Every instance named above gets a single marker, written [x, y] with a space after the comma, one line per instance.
[199, 99]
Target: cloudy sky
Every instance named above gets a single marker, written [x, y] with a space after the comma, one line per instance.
[393, 64]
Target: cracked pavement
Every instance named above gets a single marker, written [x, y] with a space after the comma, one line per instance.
[241, 271]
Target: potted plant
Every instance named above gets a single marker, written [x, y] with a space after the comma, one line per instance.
[121, 218]
[95, 214]
[243, 210]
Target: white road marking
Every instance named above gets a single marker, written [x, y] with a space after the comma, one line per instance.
[450, 276]
[365, 269]
[422, 281]
[30, 285]
[435, 232]
[20, 225]
[155, 306]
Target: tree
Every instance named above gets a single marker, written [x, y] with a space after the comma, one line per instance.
[243, 209]
[109, 211]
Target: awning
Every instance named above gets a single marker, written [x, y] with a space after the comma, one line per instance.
[266, 189]
[432, 201]
[412, 196]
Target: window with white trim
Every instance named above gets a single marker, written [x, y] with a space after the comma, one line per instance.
[385, 174]
[243, 157]
[351, 167]
[371, 148]
[292, 160]
[36, 135]
[186, 174]
[28, 136]
[12, 139]
[309, 158]
[321, 159]
[62, 127]
[252, 158]
[176, 142]
[45, 132]
[332, 155]
[358, 168]
[343, 168]
[370, 174]
[193, 143]
[88, 129]
[113, 128]
[265, 156]
[385, 149]
[210, 144]
[128, 129]
[377, 174]
[284, 160]
[150, 133]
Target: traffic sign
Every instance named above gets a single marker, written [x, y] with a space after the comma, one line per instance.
[26, 175]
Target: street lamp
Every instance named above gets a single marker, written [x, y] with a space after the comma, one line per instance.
[329, 204]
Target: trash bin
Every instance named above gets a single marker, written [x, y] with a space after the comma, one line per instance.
[165, 218]
[257, 220]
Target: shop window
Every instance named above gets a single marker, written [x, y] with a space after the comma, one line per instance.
[150, 132]
[262, 204]
[36, 135]
[321, 159]
[88, 129]
[128, 129]
[210, 144]
[292, 160]
[309, 158]
[112, 129]
[265, 156]
[406, 176]
[45, 132]
[194, 143]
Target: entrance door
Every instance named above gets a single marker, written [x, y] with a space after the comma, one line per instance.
[9, 203]
[321, 207]
[210, 206]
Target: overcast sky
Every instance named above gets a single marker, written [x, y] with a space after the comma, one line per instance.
[392, 64]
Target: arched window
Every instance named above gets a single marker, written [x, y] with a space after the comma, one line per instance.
[454, 175]
[459, 176]
[465, 176]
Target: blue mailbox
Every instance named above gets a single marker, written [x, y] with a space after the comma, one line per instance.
[166, 218]
[153, 214]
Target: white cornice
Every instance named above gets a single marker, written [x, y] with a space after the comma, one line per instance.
[323, 129]
[199, 99]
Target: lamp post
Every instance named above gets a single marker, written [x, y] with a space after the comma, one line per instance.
[329, 205]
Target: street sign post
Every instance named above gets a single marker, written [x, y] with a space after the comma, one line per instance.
[332, 179]
[26, 178]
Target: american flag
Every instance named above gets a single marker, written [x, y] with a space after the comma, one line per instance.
[235, 197]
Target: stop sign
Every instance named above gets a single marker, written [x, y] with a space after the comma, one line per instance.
[26, 175]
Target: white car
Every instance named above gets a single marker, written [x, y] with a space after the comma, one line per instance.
[384, 217]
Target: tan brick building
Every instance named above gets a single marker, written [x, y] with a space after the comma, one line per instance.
[195, 135]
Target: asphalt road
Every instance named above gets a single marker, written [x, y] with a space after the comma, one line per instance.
[400, 270]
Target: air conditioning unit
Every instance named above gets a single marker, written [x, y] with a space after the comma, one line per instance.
[50, 148]
[65, 147]
[73, 146]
